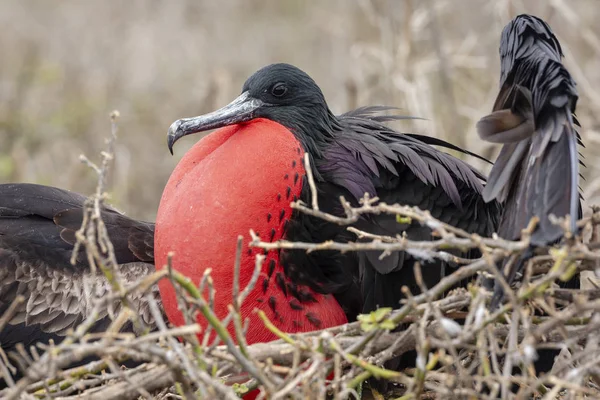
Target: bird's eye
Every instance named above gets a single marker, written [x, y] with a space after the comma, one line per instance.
[279, 90]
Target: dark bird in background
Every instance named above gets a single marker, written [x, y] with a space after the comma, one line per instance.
[537, 171]
[37, 235]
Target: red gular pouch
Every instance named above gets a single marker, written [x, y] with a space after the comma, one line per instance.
[236, 179]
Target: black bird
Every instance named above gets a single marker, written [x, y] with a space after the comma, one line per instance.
[537, 170]
[37, 235]
[351, 154]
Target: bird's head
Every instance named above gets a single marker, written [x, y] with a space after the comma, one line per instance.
[279, 92]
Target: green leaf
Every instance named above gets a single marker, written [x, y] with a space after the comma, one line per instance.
[387, 324]
[376, 319]
[240, 388]
[381, 313]
[403, 220]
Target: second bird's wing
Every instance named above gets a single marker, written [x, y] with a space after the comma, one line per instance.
[37, 234]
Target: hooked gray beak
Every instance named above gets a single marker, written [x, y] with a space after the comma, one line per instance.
[241, 109]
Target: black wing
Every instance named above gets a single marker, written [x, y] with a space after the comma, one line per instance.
[37, 233]
[536, 173]
[537, 170]
[397, 168]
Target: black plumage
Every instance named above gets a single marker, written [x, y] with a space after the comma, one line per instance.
[37, 235]
[353, 154]
[537, 170]
[367, 157]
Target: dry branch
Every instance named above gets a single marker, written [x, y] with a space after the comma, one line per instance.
[461, 347]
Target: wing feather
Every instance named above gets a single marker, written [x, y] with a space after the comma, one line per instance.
[538, 175]
[410, 171]
[37, 225]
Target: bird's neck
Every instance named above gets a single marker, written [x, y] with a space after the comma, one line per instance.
[315, 128]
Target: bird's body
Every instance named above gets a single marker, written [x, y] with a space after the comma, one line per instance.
[280, 115]
[37, 235]
[536, 173]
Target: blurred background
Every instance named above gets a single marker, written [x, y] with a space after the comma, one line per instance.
[64, 66]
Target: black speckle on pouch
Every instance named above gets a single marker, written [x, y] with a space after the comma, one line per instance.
[295, 305]
[312, 318]
[293, 290]
[281, 283]
[305, 296]
[272, 303]
[271, 267]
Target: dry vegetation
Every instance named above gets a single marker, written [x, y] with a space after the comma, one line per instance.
[64, 66]
[474, 359]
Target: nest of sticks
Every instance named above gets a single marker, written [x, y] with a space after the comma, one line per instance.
[462, 349]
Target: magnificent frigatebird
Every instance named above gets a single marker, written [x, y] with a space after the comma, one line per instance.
[245, 175]
[537, 170]
[37, 235]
